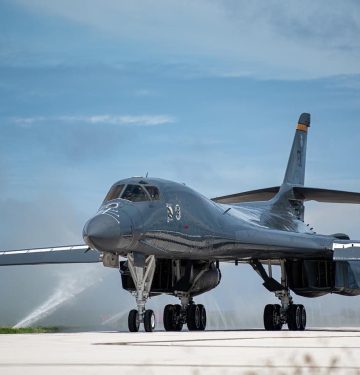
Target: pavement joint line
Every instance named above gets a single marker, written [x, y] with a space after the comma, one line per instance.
[235, 346]
[223, 339]
[196, 365]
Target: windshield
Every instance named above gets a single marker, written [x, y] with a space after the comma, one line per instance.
[135, 193]
[153, 192]
[114, 192]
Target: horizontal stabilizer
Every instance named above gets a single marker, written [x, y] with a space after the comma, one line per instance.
[249, 196]
[300, 193]
[325, 195]
[51, 255]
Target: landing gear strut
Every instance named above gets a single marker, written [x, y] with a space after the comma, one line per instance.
[276, 315]
[142, 270]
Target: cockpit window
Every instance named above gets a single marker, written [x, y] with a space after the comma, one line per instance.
[135, 193]
[153, 192]
[114, 193]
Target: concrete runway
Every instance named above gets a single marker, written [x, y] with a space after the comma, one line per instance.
[325, 351]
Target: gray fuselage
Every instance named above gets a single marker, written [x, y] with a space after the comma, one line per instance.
[181, 223]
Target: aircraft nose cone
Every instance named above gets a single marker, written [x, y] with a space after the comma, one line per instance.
[102, 232]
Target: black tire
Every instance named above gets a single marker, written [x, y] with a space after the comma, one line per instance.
[277, 321]
[133, 321]
[202, 324]
[270, 317]
[302, 318]
[177, 323]
[193, 317]
[149, 321]
[294, 317]
[169, 317]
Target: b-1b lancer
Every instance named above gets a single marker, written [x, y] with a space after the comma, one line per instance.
[166, 238]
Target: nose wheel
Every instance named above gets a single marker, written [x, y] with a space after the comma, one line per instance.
[149, 321]
[134, 321]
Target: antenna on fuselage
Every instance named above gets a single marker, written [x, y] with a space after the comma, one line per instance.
[226, 211]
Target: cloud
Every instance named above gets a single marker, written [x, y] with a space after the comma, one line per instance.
[304, 39]
[145, 93]
[142, 120]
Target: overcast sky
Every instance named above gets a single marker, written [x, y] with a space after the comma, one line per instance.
[202, 92]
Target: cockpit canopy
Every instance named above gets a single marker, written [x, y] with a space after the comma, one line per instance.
[133, 193]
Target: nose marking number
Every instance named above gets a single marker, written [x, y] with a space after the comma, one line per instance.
[171, 212]
[177, 212]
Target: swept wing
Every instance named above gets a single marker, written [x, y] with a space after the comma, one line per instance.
[50, 255]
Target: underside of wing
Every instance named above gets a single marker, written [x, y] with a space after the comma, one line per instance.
[249, 196]
[50, 255]
[326, 195]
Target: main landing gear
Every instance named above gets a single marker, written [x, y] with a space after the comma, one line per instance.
[276, 315]
[175, 316]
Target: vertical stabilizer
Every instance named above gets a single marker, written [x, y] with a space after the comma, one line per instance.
[295, 171]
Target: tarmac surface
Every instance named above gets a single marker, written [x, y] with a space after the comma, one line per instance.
[325, 351]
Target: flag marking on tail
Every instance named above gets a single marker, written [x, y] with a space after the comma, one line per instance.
[302, 127]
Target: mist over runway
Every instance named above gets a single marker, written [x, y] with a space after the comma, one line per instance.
[89, 297]
[227, 352]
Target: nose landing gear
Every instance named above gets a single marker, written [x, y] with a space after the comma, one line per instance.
[142, 271]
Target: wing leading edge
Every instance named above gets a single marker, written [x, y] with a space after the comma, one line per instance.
[50, 255]
[249, 196]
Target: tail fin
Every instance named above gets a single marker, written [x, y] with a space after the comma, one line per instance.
[295, 171]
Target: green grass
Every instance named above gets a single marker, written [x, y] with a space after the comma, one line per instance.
[10, 330]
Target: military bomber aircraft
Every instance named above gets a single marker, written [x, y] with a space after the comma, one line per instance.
[166, 238]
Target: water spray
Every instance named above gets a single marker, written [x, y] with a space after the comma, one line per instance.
[69, 287]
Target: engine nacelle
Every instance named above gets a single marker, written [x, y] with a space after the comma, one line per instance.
[206, 281]
[314, 278]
